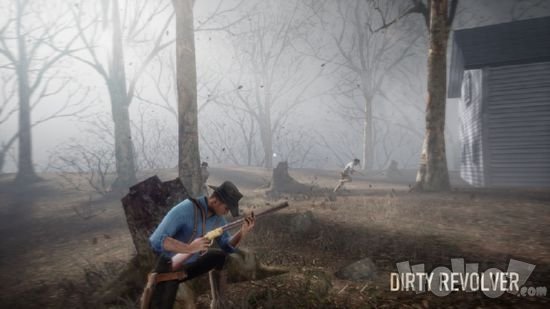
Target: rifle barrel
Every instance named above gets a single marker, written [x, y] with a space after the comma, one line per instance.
[238, 222]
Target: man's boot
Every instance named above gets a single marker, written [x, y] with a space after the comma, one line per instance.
[218, 287]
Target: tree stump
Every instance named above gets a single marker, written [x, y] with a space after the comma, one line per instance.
[144, 206]
[392, 171]
[281, 182]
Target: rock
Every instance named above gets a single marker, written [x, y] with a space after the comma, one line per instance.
[243, 265]
[302, 223]
[361, 270]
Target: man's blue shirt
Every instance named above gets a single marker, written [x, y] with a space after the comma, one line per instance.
[179, 223]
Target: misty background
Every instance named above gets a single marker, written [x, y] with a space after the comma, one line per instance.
[282, 79]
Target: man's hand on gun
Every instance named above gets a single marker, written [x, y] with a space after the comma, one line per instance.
[248, 224]
[200, 244]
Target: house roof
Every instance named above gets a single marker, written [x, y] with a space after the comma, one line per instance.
[517, 42]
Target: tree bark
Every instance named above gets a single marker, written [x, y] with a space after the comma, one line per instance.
[124, 148]
[188, 143]
[267, 128]
[433, 174]
[267, 141]
[25, 168]
[2, 159]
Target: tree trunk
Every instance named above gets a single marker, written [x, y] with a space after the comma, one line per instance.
[124, 148]
[25, 170]
[248, 154]
[432, 173]
[2, 159]
[188, 144]
[145, 206]
[267, 142]
[368, 136]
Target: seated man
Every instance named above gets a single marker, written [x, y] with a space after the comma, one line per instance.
[180, 234]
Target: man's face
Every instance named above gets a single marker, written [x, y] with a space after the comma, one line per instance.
[219, 207]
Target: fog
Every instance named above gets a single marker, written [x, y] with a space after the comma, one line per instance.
[301, 62]
[335, 109]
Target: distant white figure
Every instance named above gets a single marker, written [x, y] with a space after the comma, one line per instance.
[276, 159]
[345, 175]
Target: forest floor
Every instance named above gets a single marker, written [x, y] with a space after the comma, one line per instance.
[56, 240]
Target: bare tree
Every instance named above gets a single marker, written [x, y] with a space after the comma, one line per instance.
[32, 53]
[345, 141]
[8, 108]
[155, 142]
[438, 16]
[296, 146]
[522, 9]
[103, 23]
[232, 138]
[163, 79]
[84, 166]
[365, 52]
[87, 163]
[274, 76]
[397, 146]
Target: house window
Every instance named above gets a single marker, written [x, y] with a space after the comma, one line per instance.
[467, 89]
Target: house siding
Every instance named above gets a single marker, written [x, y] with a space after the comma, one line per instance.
[518, 42]
[516, 117]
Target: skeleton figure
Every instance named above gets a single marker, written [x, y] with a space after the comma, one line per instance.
[345, 175]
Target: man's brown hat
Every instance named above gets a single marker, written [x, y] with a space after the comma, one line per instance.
[230, 195]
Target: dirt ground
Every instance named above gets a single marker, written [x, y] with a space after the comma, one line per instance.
[58, 244]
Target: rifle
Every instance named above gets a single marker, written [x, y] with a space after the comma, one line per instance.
[180, 258]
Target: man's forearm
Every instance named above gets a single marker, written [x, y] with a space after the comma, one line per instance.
[235, 239]
[172, 245]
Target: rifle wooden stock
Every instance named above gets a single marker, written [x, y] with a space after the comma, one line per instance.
[180, 258]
